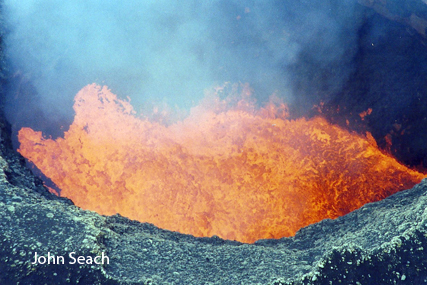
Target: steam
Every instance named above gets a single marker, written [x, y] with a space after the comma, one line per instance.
[169, 51]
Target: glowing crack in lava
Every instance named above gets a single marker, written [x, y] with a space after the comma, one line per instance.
[236, 172]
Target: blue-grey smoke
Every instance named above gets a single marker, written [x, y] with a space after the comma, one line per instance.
[168, 51]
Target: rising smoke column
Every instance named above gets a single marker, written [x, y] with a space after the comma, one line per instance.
[168, 52]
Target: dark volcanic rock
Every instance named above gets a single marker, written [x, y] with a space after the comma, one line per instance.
[381, 243]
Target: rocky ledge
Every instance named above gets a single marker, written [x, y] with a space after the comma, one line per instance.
[381, 243]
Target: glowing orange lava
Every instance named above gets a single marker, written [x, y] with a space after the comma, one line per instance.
[238, 173]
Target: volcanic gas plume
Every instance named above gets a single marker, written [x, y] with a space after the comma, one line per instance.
[238, 172]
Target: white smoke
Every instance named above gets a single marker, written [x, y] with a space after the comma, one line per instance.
[168, 51]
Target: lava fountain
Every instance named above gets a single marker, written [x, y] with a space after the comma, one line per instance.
[238, 172]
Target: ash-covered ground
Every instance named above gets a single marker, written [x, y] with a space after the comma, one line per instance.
[381, 243]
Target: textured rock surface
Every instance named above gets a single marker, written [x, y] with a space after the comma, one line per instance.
[382, 243]
[412, 13]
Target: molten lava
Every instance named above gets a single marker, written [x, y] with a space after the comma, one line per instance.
[235, 172]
